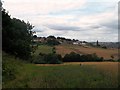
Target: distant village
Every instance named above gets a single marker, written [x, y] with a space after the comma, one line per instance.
[62, 40]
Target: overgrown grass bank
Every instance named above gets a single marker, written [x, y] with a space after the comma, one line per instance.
[11, 67]
[63, 76]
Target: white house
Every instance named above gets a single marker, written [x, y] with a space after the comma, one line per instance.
[83, 43]
[75, 43]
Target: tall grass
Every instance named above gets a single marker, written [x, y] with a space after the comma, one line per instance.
[11, 67]
[66, 76]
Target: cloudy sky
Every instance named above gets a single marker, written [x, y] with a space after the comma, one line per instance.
[88, 20]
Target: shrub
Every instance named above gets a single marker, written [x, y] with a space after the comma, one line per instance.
[52, 58]
[52, 42]
[48, 59]
[39, 59]
[74, 57]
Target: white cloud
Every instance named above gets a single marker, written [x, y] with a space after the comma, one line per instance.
[41, 6]
[92, 26]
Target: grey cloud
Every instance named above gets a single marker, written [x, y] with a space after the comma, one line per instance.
[63, 27]
[112, 24]
[111, 27]
[95, 26]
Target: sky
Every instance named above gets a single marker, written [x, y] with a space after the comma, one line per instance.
[85, 20]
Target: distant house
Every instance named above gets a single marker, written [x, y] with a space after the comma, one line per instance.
[39, 39]
[75, 43]
[83, 43]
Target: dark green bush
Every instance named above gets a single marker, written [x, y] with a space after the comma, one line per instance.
[74, 57]
[52, 59]
[48, 59]
[52, 42]
[39, 59]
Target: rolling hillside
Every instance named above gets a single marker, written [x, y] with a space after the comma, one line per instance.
[105, 53]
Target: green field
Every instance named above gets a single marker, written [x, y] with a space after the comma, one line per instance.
[63, 76]
[43, 49]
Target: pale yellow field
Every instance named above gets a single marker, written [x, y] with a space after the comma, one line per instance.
[106, 66]
[105, 53]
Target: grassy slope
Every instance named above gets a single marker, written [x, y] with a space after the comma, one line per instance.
[11, 67]
[106, 53]
[43, 49]
[66, 76]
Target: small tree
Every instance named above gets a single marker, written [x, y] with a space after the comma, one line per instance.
[112, 57]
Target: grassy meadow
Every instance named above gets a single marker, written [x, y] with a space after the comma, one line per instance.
[67, 75]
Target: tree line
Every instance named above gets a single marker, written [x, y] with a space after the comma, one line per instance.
[54, 58]
[16, 36]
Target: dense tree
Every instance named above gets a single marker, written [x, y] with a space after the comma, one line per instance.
[35, 36]
[51, 37]
[52, 42]
[48, 59]
[16, 36]
[74, 57]
[52, 59]
[62, 38]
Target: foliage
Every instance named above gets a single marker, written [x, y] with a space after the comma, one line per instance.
[52, 59]
[48, 59]
[39, 59]
[52, 42]
[74, 57]
[52, 37]
[16, 36]
[35, 36]
[91, 57]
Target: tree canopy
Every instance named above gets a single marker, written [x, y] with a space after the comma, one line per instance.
[16, 36]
